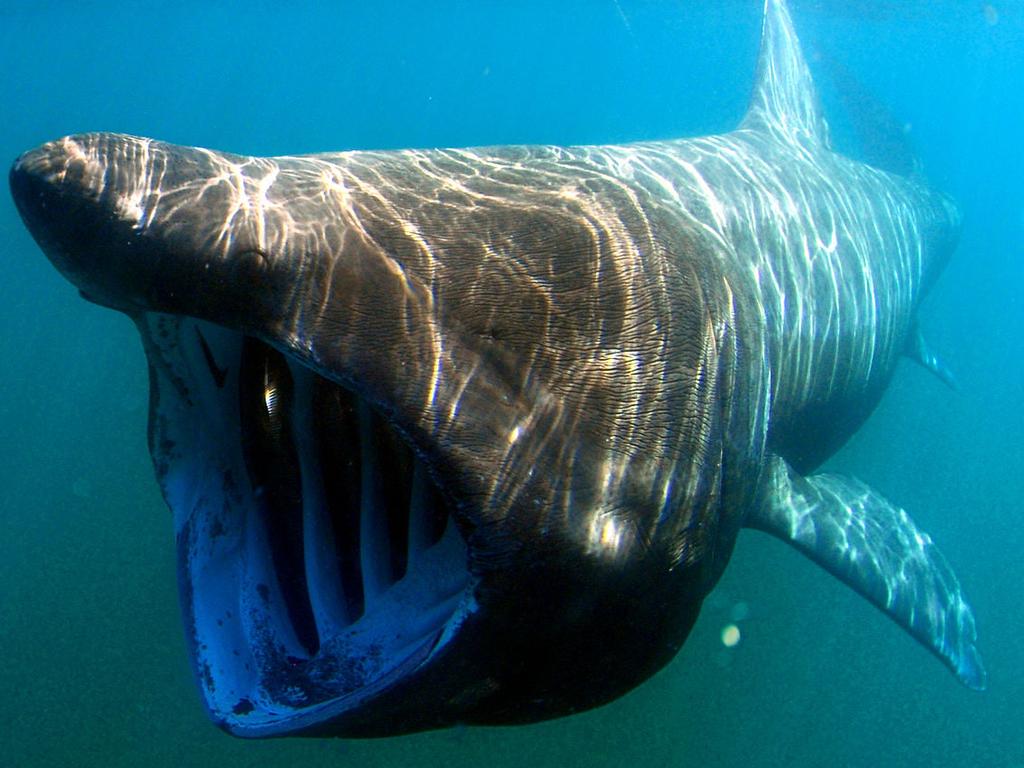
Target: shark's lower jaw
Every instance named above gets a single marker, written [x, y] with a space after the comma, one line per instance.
[318, 564]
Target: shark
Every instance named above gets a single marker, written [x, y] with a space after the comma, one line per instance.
[468, 435]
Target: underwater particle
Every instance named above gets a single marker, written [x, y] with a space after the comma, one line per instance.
[82, 488]
[730, 635]
[739, 611]
[717, 600]
[991, 14]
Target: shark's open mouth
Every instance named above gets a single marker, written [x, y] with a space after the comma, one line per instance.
[318, 561]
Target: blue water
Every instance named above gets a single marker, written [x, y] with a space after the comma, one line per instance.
[92, 662]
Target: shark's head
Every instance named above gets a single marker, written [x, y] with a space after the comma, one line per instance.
[420, 474]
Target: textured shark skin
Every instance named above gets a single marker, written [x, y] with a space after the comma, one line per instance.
[605, 359]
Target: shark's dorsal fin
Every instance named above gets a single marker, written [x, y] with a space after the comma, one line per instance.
[784, 101]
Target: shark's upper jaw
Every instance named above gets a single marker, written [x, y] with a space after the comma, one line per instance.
[318, 562]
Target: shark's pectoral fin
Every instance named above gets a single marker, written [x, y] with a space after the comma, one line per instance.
[920, 352]
[874, 547]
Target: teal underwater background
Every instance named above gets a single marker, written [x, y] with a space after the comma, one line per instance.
[93, 669]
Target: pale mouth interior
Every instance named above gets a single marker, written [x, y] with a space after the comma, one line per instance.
[318, 562]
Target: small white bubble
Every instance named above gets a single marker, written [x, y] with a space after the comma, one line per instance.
[730, 635]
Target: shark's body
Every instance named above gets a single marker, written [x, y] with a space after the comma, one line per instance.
[467, 435]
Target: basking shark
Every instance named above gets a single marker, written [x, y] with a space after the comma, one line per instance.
[467, 435]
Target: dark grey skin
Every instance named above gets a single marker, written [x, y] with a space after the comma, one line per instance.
[468, 435]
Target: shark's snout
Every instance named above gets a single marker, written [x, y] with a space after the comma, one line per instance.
[80, 197]
[117, 215]
[57, 189]
[45, 168]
